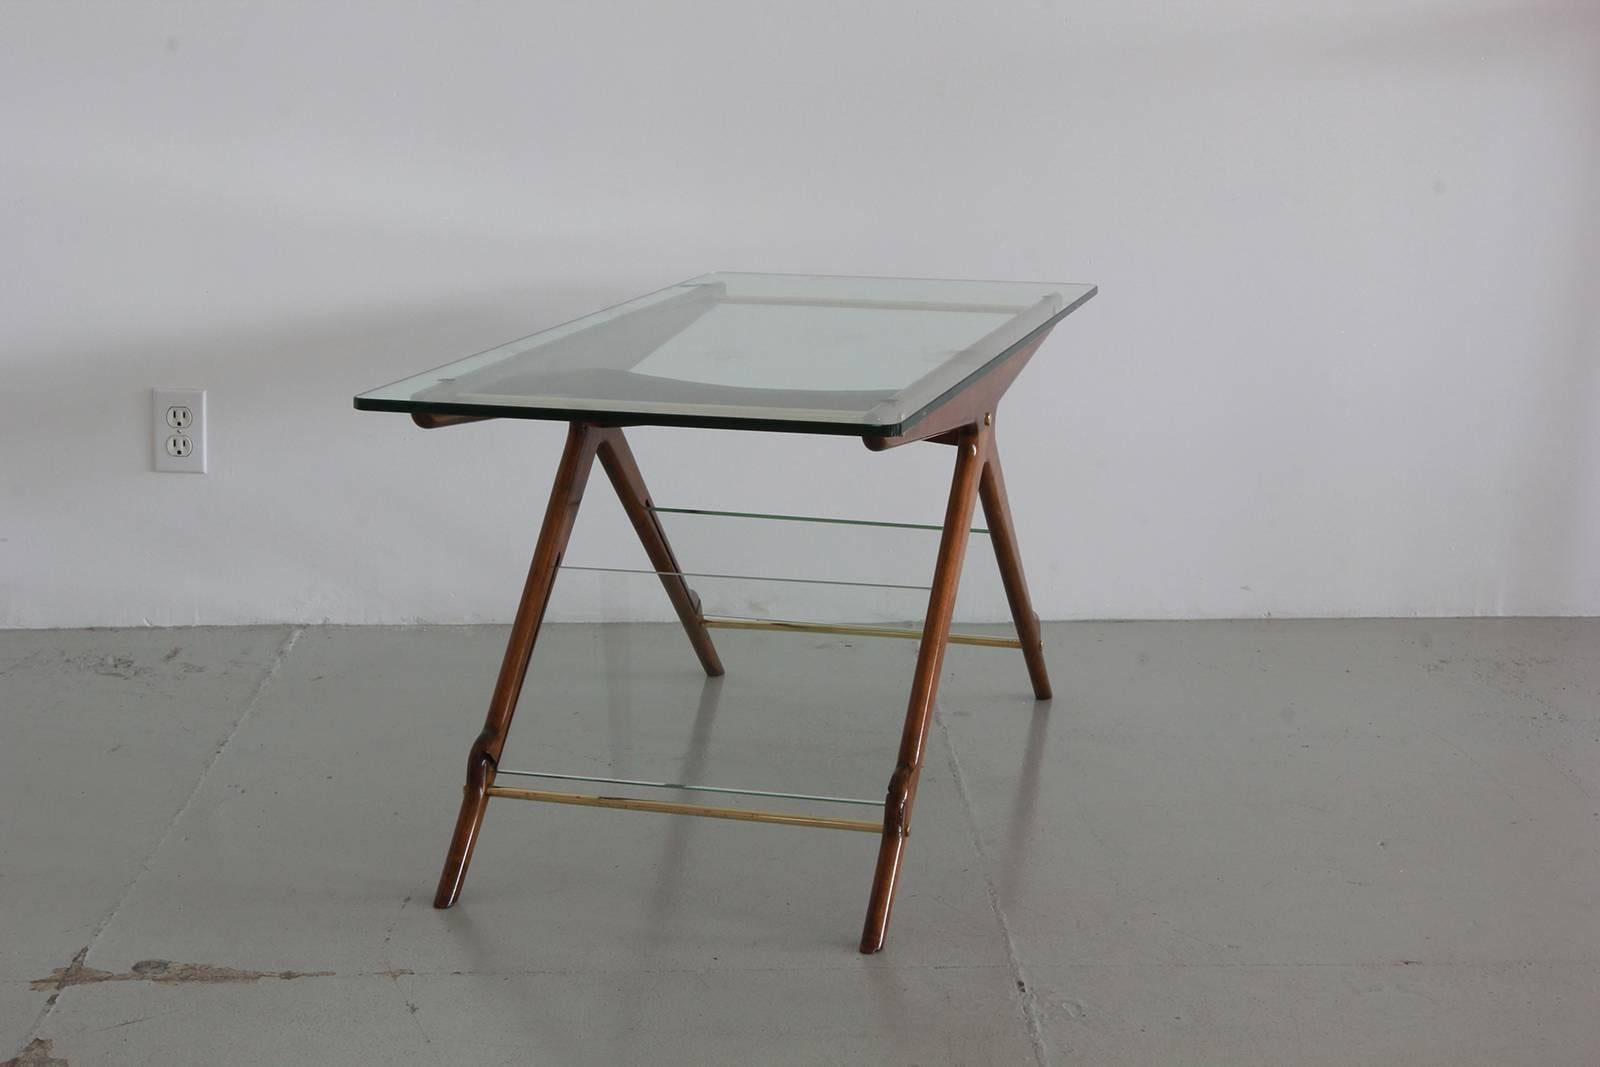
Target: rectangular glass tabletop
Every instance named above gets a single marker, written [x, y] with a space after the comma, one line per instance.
[810, 353]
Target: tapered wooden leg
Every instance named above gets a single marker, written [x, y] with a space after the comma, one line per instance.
[972, 450]
[571, 477]
[1003, 532]
[617, 459]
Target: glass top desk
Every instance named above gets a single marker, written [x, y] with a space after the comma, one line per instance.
[889, 360]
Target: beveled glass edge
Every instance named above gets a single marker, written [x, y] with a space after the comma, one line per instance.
[957, 373]
[656, 413]
[549, 333]
[909, 423]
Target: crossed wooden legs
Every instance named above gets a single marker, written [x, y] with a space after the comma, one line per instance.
[584, 443]
[977, 478]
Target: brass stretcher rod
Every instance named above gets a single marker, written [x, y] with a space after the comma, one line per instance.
[827, 520]
[640, 783]
[667, 807]
[729, 622]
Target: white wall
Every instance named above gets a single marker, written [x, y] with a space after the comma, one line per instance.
[1343, 362]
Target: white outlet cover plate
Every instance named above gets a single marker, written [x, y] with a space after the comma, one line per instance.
[178, 416]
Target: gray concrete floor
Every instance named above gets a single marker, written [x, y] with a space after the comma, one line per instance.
[1223, 843]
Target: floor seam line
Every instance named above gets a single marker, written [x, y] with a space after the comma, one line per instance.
[1032, 1023]
[250, 703]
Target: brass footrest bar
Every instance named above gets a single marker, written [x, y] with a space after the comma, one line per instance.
[806, 518]
[733, 622]
[665, 807]
[741, 577]
[689, 787]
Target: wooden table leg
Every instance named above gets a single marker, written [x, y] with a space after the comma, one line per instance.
[1003, 532]
[617, 459]
[571, 477]
[972, 453]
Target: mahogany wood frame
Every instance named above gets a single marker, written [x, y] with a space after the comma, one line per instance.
[966, 422]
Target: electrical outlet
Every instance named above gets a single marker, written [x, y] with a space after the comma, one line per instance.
[179, 425]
